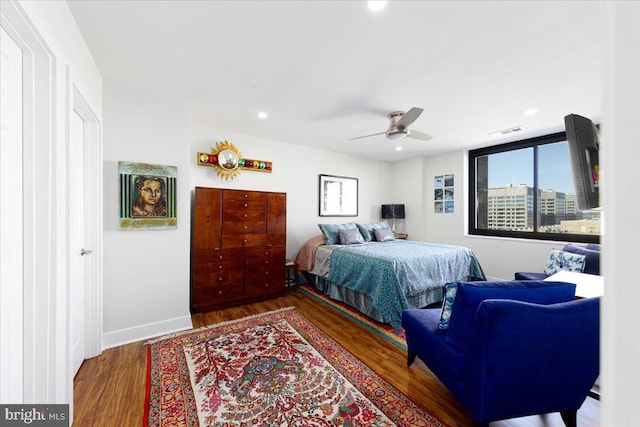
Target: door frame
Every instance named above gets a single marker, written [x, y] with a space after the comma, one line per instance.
[93, 226]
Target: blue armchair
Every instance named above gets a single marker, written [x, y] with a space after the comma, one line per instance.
[511, 349]
[591, 263]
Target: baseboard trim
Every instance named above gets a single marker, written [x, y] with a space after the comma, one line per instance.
[144, 332]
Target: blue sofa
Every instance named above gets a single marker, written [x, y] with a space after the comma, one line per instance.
[511, 349]
[591, 262]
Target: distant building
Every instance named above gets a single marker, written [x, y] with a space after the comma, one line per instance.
[510, 208]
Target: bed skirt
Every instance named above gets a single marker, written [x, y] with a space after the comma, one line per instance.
[363, 303]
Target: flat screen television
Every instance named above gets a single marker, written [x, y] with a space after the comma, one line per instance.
[584, 142]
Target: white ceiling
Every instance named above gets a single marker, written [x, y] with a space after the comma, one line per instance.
[326, 71]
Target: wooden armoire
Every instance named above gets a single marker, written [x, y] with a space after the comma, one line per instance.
[238, 247]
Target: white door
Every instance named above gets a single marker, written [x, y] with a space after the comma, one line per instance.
[11, 214]
[77, 250]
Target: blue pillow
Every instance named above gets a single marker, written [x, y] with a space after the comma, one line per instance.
[350, 236]
[383, 234]
[591, 260]
[561, 260]
[331, 232]
[593, 246]
[367, 229]
[469, 295]
[447, 305]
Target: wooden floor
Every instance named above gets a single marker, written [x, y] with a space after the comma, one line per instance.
[109, 390]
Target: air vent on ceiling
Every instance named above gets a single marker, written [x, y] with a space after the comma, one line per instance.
[506, 131]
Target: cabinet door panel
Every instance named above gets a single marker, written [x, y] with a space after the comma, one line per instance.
[207, 215]
[277, 219]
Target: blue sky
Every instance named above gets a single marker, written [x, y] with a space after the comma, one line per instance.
[516, 167]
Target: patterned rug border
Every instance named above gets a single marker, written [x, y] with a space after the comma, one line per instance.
[294, 312]
[215, 325]
[368, 323]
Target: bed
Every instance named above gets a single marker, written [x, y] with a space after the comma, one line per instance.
[380, 279]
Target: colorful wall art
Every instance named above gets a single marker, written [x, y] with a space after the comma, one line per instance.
[147, 196]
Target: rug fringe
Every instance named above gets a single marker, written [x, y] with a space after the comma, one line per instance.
[215, 325]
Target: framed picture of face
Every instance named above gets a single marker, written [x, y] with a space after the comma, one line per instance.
[147, 196]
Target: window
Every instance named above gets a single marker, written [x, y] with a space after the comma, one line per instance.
[525, 189]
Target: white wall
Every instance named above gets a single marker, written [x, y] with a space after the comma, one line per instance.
[295, 172]
[407, 184]
[620, 345]
[146, 272]
[57, 55]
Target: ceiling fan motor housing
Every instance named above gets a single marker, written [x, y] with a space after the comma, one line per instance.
[396, 132]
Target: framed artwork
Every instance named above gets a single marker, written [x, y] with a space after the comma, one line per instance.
[338, 196]
[443, 194]
[147, 196]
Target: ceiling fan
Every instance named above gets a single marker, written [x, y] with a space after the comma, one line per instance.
[399, 126]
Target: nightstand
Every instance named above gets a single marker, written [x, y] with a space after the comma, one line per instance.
[291, 270]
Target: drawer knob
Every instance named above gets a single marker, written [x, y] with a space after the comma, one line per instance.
[266, 262]
[266, 285]
[245, 227]
[219, 292]
[220, 278]
[245, 205]
[219, 266]
[246, 195]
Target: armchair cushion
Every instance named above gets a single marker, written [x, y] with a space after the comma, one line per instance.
[469, 296]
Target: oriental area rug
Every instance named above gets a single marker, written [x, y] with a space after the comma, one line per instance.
[394, 336]
[273, 369]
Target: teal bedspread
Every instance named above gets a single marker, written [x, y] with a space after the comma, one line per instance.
[389, 272]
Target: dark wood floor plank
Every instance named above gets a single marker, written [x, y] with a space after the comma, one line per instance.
[110, 389]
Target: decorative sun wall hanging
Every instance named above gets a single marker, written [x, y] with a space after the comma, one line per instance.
[227, 161]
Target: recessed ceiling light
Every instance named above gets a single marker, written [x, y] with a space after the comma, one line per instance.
[398, 148]
[530, 112]
[376, 5]
[262, 115]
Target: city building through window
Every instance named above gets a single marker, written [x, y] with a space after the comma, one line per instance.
[525, 189]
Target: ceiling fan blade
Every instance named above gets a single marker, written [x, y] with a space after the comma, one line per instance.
[366, 136]
[409, 117]
[416, 134]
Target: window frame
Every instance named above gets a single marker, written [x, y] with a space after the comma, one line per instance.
[530, 235]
